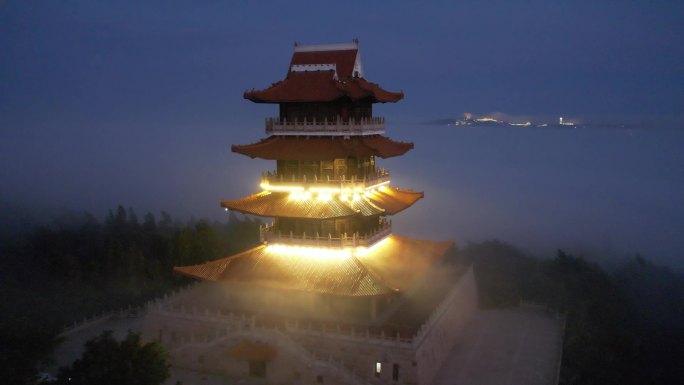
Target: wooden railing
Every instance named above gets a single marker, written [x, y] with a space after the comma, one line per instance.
[337, 127]
[238, 322]
[269, 234]
[246, 327]
[380, 175]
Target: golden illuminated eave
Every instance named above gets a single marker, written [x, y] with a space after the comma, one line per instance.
[391, 266]
[385, 201]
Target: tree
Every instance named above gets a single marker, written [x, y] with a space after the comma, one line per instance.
[25, 346]
[107, 361]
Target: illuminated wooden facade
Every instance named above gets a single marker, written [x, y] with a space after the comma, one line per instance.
[326, 183]
[328, 258]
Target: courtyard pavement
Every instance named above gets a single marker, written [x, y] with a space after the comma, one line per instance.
[506, 347]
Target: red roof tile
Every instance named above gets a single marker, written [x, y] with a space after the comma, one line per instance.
[323, 148]
[343, 59]
[320, 86]
[358, 88]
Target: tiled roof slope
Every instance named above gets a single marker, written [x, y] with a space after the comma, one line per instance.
[321, 86]
[324, 74]
[389, 201]
[323, 148]
[343, 59]
[393, 266]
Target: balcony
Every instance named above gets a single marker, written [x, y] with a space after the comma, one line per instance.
[274, 180]
[269, 234]
[338, 127]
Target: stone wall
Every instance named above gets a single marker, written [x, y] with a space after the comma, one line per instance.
[201, 340]
[360, 356]
[444, 328]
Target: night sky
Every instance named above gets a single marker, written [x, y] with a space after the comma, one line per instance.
[137, 103]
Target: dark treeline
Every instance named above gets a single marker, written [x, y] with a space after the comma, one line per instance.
[624, 327]
[80, 266]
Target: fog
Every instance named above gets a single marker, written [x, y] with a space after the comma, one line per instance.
[135, 105]
[601, 192]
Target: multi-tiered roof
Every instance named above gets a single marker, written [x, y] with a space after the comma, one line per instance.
[328, 198]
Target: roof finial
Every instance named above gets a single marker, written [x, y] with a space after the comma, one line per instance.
[296, 44]
[356, 41]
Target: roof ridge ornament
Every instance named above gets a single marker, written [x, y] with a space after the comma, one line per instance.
[298, 47]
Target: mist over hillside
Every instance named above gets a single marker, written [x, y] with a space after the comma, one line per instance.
[624, 324]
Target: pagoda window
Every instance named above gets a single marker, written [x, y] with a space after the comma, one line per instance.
[341, 226]
[370, 169]
[327, 170]
[362, 109]
[284, 225]
[320, 111]
[291, 111]
[366, 167]
[344, 109]
[288, 168]
[340, 168]
[352, 166]
[344, 112]
[327, 227]
[298, 227]
[309, 168]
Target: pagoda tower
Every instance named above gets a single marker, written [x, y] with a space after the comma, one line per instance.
[327, 258]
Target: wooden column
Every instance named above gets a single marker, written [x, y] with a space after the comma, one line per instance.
[374, 308]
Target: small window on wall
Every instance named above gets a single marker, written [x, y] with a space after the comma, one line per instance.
[378, 368]
[395, 372]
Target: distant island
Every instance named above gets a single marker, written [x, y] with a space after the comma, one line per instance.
[469, 119]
